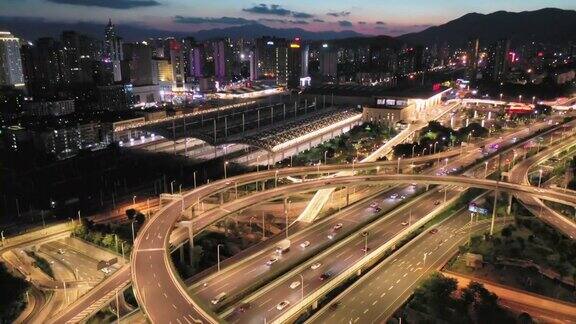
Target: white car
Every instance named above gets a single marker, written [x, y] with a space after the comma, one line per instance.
[338, 226]
[294, 284]
[404, 223]
[282, 305]
[305, 244]
[316, 266]
[106, 270]
[271, 261]
[330, 236]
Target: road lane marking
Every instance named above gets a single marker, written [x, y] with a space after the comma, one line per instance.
[383, 294]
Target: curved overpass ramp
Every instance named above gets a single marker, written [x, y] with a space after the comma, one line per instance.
[159, 289]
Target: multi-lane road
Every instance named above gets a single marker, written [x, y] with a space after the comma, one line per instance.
[377, 295]
[150, 246]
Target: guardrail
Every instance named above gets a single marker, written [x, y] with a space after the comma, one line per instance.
[357, 267]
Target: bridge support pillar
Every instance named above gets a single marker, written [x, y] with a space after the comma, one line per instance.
[221, 194]
[181, 250]
[494, 212]
[347, 196]
[509, 208]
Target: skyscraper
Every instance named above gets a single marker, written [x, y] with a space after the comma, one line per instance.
[289, 63]
[328, 62]
[113, 54]
[499, 59]
[264, 57]
[196, 59]
[10, 61]
[472, 58]
[177, 62]
[43, 66]
[219, 54]
[80, 54]
[143, 70]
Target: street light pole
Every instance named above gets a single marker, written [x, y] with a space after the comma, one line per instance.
[194, 179]
[485, 169]
[398, 169]
[225, 174]
[325, 157]
[133, 231]
[172, 186]
[79, 221]
[134, 201]
[540, 178]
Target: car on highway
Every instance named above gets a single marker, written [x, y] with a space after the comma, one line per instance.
[394, 196]
[377, 209]
[365, 233]
[337, 226]
[433, 231]
[244, 307]
[220, 297]
[402, 197]
[374, 204]
[404, 223]
[436, 202]
[331, 236]
[271, 261]
[106, 270]
[305, 244]
[316, 266]
[325, 275]
[294, 284]
[281, 305]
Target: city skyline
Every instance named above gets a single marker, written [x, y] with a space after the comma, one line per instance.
[370, 18]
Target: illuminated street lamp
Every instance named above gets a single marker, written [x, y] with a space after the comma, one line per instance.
[134, 200]
[225, 174]
[172, 186]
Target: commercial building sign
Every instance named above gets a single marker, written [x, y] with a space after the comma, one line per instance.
[391, 103]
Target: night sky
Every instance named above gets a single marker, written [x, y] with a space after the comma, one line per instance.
[390, 17]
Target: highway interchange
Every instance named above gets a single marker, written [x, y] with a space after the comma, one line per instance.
[165, 298]
[184, 306]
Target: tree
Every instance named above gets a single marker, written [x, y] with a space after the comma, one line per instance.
[140, 218]
[525, 318]
[130, 212]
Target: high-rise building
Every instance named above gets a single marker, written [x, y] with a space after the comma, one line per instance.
[305, 56]
[142, 69]
[472, 56]
[499, 59]
[80, 54]
[289, 63]
[197, 57]
[43, 66]
[219, 55]
[10, 61]
[177, 62]
[328, 62]
[113, 54]
[264, 58]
